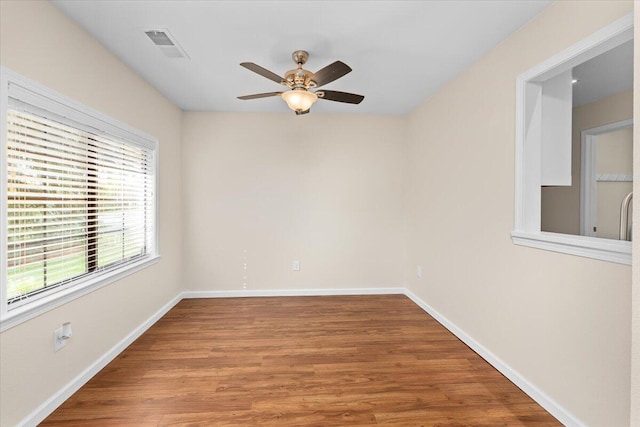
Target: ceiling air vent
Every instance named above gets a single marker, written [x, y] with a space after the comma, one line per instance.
[166, 43]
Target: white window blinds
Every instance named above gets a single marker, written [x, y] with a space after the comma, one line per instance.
[78, 203]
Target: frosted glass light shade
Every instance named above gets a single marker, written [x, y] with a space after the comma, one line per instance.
[299, 99]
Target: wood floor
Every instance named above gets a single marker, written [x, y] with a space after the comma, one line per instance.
[299, 361]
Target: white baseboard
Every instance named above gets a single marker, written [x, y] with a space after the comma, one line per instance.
[46, 408]
[564, 416]
[291, 292]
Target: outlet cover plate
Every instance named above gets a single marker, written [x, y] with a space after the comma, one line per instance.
[58, 342]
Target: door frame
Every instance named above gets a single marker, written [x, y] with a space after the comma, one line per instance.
[588, 178]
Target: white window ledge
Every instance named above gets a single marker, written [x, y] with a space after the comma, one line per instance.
[37, 307]
[617, 251]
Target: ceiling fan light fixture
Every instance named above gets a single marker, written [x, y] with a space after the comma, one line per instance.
[299, 99]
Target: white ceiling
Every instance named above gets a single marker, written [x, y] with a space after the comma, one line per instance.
[604, 75]
[401, 52]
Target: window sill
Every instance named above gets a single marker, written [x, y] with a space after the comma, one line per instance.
[602, 249]
[35, 308]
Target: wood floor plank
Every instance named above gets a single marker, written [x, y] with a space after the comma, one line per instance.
[299, 361]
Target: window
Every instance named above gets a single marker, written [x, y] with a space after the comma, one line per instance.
[79, 205]
[544, 109]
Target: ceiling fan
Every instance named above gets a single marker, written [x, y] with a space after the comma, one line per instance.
[299, 97]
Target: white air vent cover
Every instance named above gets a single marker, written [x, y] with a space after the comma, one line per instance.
[166, 43]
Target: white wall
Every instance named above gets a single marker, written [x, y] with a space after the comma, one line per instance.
[563, 322]
[266, 189]
[37, 41]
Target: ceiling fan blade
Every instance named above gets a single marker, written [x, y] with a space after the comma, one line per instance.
[263, 72]
[330, 73]
[260, 95]
[334, 95]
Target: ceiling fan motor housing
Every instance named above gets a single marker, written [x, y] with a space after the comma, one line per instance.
[299, 78]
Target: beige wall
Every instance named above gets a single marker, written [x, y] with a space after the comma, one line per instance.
[266, 189]
[635, 353]
[37, 41]
[560, 321]
[561, 205]
[346, 196]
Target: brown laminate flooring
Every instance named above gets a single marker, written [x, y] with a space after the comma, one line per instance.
[299, 361]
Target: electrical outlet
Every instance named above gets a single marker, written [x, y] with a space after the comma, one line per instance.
[61, 335]
[419, 272]
[58, 342]
[295, 265]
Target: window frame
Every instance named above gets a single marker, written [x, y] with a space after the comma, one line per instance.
[13, 85]
[527, 229]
